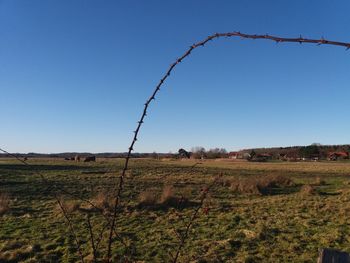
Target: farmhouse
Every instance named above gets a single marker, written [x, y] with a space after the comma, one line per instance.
[233, 155]
[333, 156]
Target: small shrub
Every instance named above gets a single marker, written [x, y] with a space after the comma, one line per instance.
[4, 203]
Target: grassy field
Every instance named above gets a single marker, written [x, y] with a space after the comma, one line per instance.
[249, 215]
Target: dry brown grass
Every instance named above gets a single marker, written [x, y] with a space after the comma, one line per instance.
[103, 201]
[246, 186]
[308, 190]
[226, 182]
[4, 203]
[70, 206]
[319, 181]
[167, 198]
[147, 198]
[260, 185]
[16, 252]
[167, 195]
[277, 181]
[186, 193]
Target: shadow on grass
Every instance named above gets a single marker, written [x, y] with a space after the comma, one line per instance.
[281, 190]
[174, 202]
[21, 211]
[40, 167]
[94, 172]
[10, 183]
[329, 193]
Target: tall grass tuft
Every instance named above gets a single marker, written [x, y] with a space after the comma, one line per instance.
[4, 203]
[260, 185]
[147, 198]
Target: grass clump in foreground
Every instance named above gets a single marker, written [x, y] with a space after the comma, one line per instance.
[4, 203]
[168, 198]
[263, 219]
[261, 185]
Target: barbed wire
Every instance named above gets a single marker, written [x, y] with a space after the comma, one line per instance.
[120, 184]
[202, 43]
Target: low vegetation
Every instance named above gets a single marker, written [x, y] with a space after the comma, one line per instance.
[260, 185]
[4, 203]
[258, 212]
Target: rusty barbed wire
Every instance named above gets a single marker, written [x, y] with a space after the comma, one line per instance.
[120, 184]
[202, 43]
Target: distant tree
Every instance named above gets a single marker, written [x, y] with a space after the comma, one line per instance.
[309, 151]
[183, 153]
[155, 155]
[198, 152]
[216, 153]
[252, 154]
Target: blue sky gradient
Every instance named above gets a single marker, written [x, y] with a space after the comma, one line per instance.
[74, 75]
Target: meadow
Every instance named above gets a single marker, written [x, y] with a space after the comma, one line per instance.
[255, 212]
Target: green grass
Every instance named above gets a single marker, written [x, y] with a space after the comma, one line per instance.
[284, 226]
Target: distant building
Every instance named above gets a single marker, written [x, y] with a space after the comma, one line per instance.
[333, 156]
[233, 155]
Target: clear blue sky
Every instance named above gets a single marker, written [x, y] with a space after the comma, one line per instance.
[75, 74]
